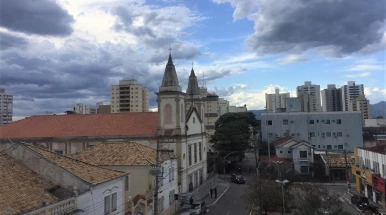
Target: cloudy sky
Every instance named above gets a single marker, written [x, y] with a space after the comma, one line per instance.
[58, 53]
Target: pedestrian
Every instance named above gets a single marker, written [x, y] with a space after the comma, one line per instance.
[191, 200]
[211, 192]
[215, 192]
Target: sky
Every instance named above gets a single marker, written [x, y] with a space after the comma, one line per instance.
[55, 54]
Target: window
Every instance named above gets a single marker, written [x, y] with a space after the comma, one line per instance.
[338, 121]
[289, 151]
[200, 150]
[327, 121]
[312, 134]
[270, 135]
[114, 202]
[312, 122]
[340, 146]
[304, 169]
[194, 119]
[328, 134]
[285, 122]
[195, 153]
[329, 147]
[269, 122]
[127, 182]
[60, 152]
[190, 154]
[107, 204]
[317, 121]
[170, 174]
[339, 133]
[281, 151]
[303, 154]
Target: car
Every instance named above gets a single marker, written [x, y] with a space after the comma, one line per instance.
[359, 200]
[238, 179]
[198, 208]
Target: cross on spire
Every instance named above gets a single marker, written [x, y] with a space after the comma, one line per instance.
[170, 49]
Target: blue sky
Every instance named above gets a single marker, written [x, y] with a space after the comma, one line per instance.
[243, 48]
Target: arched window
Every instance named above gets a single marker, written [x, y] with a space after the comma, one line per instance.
[168, 119]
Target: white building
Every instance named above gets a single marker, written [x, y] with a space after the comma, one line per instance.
[324, 130]
[350, 92]
[129, 96]
[240, 109]
[294, 104]
[301, 152]
[211, 110]
[331, 99]
[377, 122]
[6, 107]
[79, 108]
[224, 106]
[311, 96]
[361, 104]
[276, 101]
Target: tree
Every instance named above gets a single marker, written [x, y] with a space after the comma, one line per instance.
[233, 131]
[264, 193]
[314, 199]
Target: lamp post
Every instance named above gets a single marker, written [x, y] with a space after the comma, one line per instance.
[278, 168]
[282, 191]
[224, 161]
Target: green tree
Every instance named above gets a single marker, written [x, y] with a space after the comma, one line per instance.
[233, 131]
[265, 194]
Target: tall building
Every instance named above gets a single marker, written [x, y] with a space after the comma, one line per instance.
[294, 104]
[212, 109]
[224, 106]
[350, 92]
[360, 104]
[79, 108]
[129, 96]
[332, 98]
[311, 96]
[240, 109]
[6, 105]
[276, 101]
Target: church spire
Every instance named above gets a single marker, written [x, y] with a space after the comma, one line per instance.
[193, 84]
[170, 80]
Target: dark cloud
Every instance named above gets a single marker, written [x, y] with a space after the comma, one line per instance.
[340, 26]
[9, 41]
[44, 17]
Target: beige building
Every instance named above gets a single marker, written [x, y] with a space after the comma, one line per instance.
[129, 96]
[276, 101]
[212, 109]
[235, 109]
[351, 91]
[224, 106]
[331, 99]
[360, 104]
[6, 107]
[310, 93]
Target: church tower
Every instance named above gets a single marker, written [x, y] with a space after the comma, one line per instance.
[193, 97]
[171, 103]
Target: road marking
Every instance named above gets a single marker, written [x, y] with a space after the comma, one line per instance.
[220, 195]
[234, 202]
[341, 200]
[228, 212]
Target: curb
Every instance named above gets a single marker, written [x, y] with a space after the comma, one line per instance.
[220, 196]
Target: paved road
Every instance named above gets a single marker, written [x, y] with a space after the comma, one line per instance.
[344, 197]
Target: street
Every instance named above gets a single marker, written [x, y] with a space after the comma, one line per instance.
[341, 190]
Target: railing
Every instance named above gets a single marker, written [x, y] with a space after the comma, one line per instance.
[58, 208]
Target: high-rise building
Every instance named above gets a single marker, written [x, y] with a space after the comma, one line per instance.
[240, 109]
[350, 92]
[276, 101]
[6, 105]
[211, 109]
[332, 98]
[224, 106]
[80, 109]
[311, 96]
[129, 96]
[361, 104]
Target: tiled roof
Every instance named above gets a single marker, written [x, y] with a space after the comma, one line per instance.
[87, 172]
[80, 125]
[20, 188]
[381, 149]
[368, 137]
[281, 140]
[118, 154]
[338, 160]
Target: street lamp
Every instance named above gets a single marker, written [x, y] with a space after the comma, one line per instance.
[282, 191]
[278, 168]
[224, 161]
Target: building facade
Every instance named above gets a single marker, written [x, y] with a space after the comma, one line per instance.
[212, 110]
[331, 99]
[294, 104]
[310, 93]
[6, 105]
[224, 106]
[129, 96]
[324, 130]
[361, 104]
[350, 91]
[240, 109]
[276, 101]
[377, 122]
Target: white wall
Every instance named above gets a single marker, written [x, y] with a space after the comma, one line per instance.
[170, 183]
[375, 122]
[300, 128]
[92, 202]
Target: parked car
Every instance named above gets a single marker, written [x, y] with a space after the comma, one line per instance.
[238, 179]
[359, 200]
[198, 208]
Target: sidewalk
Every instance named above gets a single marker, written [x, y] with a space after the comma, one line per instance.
[381, 208]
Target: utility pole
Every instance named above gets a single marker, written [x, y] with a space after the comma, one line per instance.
[257, 152]
[157, 172]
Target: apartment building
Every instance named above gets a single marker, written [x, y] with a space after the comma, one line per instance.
[276, 101]
[350, 91]
[129, 96]
[331, 98]
[377, 122]
[310, 93]
[295, 104]
[212, 109]
[240, 109]
[360, 104]
[224, 106]
[6, 105]
[79, 108]
[324, 130]
[370, 172]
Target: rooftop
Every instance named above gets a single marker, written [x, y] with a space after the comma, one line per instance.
[118, 154]
[281, 140]
[311, 113]
[381, 149]
[81, 125]
[338, 159]
[87, 172]
[22, 189]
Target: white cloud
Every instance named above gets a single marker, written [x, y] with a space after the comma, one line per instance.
[375, 94]
[292, 58]
[359, 75]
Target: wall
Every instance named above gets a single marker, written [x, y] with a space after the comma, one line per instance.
[302, 162]
[299, 127]
[375, 122]
[169, 187]
[92, 202]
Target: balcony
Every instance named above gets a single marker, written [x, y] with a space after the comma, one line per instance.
[63, 207]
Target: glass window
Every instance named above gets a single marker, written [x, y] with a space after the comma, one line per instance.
[107, 204]
[200, 150]
[269, 122]
[338, 121]
[312, 134]
[195, 153]
[329, 147]
[340, 146]
[327, 121]
[270, 135]
[312, 121]
[281, 152]
[339, 133]
[190, 154]
[303, 154]
[289, 151]
[304, 169]
[114, 202]
[328, 134]
[170, 174]
[285, 122]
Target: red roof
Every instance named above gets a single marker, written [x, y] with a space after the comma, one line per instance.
[81, 125]
[281, 140]
[381, 149]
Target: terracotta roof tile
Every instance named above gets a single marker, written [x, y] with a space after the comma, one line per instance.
[339, 160]
[21, 189]
[75, 125]
[281, 140]
[87, 172]
[381, 149]
[118, 154]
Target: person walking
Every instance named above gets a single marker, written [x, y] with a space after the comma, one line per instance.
[211, 192]
[191, 200]
[215, 192]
